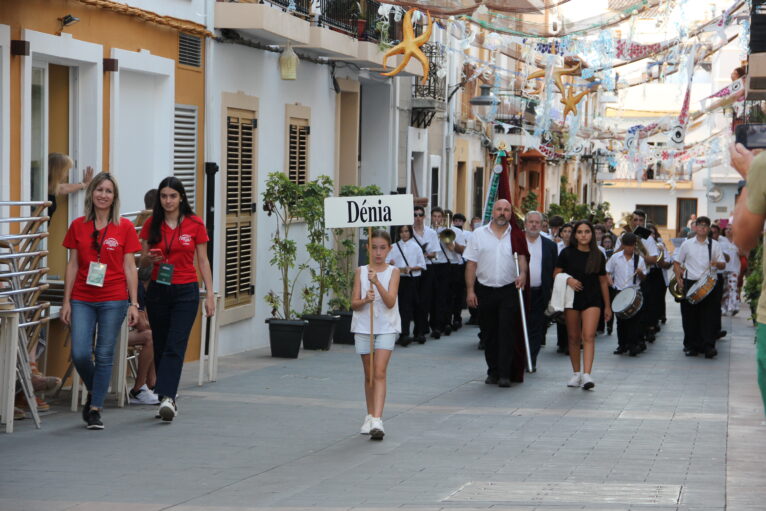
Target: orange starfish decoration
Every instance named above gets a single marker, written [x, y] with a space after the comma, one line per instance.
[568, 98]
[410, 47]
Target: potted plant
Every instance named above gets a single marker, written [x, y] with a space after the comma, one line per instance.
[345, 243]
[360, 13]
[282, 199]
[318, 334]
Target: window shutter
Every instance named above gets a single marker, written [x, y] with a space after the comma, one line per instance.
[298, 150]
[185, 150]
[189, 50]
[240, 217]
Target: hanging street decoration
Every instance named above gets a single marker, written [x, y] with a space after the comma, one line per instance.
[410, 46]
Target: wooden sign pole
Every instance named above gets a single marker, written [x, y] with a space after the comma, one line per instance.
[372, 308]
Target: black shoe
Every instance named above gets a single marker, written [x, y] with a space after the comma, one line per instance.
[620, 351]
[504, 382]
[634, 352]
[94, 420]
[642, 347]
[480, 346]
[404, 341]
[711, 353]
[691, 353]
[664, 320]
[447, 330]
[86, 410]
[421, 339]
[491, 380]
[608, 331]
[721, 334]
[456, 325]
[435, 334]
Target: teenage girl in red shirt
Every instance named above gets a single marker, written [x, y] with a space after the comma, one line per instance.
[100, 276]
[171, 238]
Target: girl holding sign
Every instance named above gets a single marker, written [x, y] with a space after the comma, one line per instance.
[172, 237]
[376, 287]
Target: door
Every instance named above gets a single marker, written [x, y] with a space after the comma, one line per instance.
[685, 208]
[478, 192]
[460, 204]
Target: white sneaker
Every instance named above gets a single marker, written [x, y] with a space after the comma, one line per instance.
[144, 396]
[575, 380]
[168, 409]
[376, 429]
[366, 425]
[587, 382]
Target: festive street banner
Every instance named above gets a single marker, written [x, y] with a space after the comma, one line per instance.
[369, 211]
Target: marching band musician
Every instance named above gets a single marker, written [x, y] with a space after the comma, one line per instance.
[440, 290]
[627, 269]
[427, 240]
[457, 272]
[694, 261]
[408, 257]
[492, 284]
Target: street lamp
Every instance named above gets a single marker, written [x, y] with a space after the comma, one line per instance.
[485, 106]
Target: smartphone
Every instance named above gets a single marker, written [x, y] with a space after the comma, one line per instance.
[752, 136]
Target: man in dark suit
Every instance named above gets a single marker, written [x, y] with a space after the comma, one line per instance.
[542, 261]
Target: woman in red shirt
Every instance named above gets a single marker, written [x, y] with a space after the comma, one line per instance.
[100, 276]
[171, 238]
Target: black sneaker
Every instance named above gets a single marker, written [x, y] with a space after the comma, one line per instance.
[86, 409]
[94, 420]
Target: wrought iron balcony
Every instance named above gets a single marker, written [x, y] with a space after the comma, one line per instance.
[430, 97]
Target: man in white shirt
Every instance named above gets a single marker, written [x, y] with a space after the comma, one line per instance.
[542, 263]
[492, 284]
[696, 259]
[441, 290]
[626, 269]
[427, 240]
[457, 272]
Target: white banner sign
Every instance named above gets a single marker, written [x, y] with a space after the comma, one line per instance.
[368, 211]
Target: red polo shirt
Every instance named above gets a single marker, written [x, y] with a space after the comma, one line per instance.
[179, 246]
[118, 240]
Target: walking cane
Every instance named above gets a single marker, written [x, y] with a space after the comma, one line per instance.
[372, 308]
[523, 316]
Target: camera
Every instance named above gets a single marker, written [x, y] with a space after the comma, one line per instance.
[752, 136]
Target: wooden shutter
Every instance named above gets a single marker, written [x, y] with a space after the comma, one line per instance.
[185, 150]
[298, 150]
[240, 214]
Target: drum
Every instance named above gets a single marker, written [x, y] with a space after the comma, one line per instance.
[701, 288]
[627, 303]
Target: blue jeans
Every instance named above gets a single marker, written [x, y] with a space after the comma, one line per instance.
[171, 310]
[96, 371]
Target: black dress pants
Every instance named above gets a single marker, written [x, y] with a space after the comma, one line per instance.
[457, 293]
[408, 298]
[440, 293]
[629, 332]
[425, 293]
[717, 296]
[698, 322]
[537, 322]
[499, 318]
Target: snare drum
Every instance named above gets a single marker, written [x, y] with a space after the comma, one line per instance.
[701, 288]
[627, 303]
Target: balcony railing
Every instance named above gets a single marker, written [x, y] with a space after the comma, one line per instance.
[297, 6]
[435, 87]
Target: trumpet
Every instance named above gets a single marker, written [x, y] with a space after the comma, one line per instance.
[447, 236]
[675, 290]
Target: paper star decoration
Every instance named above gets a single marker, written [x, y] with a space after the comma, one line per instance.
[410, 47]
[568, 98]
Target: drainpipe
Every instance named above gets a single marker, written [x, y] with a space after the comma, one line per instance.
[449, 132]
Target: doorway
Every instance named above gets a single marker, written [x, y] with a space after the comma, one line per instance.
[460, 205]
[684, 209]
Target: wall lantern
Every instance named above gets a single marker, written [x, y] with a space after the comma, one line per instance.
[485, 106]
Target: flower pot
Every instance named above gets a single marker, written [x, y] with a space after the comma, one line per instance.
[319, 331]
[285, 337]
[343, 333]
[361, 25]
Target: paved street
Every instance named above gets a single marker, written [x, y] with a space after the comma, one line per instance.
[660, 431]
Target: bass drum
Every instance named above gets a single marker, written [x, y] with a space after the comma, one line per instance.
[627, 303]
[701, 288]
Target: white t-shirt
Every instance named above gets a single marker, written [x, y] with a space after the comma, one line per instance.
[535, 261]
[621, 270]
[493, 257]
[693, 255]
[407, 253]
[733, 264]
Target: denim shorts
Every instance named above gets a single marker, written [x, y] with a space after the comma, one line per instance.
[382, 342]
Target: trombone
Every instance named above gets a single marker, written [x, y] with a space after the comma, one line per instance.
[447, 235]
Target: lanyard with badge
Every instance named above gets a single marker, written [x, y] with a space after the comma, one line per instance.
[165, 270]
[97, 269]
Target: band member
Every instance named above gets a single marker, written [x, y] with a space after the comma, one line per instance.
[663, 264]
[445, 254]
[695, 259]
[562, 338]
[586, 267]
[457, 270]
[491, 283]
[542, 261]
[408, 257]
[427, 240]
[715, 233]
[730, 305]
[627, 269]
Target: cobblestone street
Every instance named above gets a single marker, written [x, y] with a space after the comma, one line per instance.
[660, 431]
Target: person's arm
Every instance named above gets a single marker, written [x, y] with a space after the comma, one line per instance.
[719, 263]
[65, 188]
[470, 281]
[69, 277]
[747, 226]
[602, 280]
[521, 280]
[207, 278]
[131, 276]
[356, 302]
[679, 274]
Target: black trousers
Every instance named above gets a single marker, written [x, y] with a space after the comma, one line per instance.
[717, 296]
[440, 293]
[457, 292]
[425, 293]
[698, 322]
[653, 288]
[629, 332]
[562, 337]
[499, 318]
[408, 299]
[537, 322]
[171, 311]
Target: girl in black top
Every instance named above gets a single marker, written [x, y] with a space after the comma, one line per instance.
[586, 267]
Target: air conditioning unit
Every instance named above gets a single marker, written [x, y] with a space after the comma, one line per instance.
[756, 77]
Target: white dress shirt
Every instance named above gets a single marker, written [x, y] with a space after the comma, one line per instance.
[693, 255]
[429, 240]
[733, 264]
[406, 253]
[560, 245]
[444, 254]
[621, 270]
[493, 257]
[535, 261]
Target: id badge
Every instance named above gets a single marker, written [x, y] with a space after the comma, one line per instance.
[165, 274]
[96, 274]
